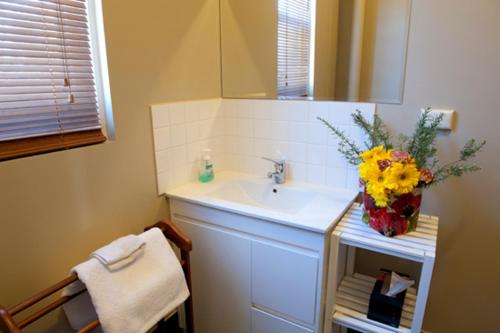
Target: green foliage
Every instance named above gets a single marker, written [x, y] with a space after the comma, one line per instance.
[420, 145]
[376, 133]
[459, 167]
[346, 146]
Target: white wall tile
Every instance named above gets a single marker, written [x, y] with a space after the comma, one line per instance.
[178, 156]
[245, 109]
[334, 159]
[207, 128]
[263, 148]
[162, 160]
[262, 129]
[177, 113]
[297, 171]
[316, 174]
[263, 109]
[177, 135]
[336, 177]
[193, 131]
[194, 152]
[279, 149]
[163, 181]
[162, 138]
[243, 127]
[160, 115]
[318, 109]
[317, 133]
[298, 131]
[279, 130]
[352, 179]
[297, 152]
[193, 111]
[316, 154]
[297, 110]
[279, 110]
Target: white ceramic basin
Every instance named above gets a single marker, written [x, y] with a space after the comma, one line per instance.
[265, 195]
[302, 205]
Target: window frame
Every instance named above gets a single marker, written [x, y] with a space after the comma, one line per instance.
[29, 146]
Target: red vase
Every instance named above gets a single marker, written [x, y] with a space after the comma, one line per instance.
[398, 218]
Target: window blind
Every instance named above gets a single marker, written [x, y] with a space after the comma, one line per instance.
[294, 38]
[48, 97]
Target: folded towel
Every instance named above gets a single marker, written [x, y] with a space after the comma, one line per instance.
[121, 249]
[133, 298]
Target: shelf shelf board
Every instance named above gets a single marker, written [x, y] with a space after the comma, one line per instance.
[351, 306]
[415, 245]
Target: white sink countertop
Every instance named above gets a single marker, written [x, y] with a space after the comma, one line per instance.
[306, 206]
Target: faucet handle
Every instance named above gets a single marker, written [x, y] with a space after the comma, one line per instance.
[279, 162]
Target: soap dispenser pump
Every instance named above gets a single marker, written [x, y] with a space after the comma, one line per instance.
[207, 167]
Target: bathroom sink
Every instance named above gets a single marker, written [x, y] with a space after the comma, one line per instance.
[265, 194]
[302, 205]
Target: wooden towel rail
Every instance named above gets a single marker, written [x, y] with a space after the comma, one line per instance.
[9, 325]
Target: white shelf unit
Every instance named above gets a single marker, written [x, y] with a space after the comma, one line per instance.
[348, 293]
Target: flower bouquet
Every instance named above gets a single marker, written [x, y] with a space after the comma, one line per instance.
[394, 175]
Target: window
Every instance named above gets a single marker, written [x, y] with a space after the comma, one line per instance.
[295, 64]
[50, 96]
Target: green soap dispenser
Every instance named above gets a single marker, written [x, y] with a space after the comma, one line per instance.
[207, 167]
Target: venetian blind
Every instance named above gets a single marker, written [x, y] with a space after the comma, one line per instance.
[294, 37]
[48, 95]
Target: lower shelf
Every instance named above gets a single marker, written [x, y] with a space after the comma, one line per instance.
[351, 306]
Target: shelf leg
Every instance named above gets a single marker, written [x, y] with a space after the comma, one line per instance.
[351, 260]
[422, 294]
[336, 270]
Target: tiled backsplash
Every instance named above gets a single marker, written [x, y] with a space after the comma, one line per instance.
[241, 131]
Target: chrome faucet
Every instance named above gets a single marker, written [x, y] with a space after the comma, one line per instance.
[278, 176]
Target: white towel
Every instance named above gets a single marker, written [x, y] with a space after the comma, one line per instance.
[118, 250]
[133, 298]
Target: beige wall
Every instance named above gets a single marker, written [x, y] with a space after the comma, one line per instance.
[56, 208]
[454, 62]
[249, 46]
[325, 57]
[380, 50]
[385, 32]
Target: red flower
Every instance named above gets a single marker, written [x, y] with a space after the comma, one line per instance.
[387, 223]
[368, 201]
[407, 204]
[376, 221]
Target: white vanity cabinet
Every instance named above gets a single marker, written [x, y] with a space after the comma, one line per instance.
[251, 275]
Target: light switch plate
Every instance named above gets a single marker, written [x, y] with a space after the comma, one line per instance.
[448, 121]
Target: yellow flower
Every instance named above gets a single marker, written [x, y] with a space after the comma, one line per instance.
[375, 154]
[369, 170]
[379, 193]
[401, 177]
[375, 182]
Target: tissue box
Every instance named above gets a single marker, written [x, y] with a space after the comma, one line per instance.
[382, 308]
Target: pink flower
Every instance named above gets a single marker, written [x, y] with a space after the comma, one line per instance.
[426, 175]
[383, 164]
[401, 156]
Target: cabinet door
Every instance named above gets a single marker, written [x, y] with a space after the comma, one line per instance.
[220, 270]
[284, 281]
[263, 322]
